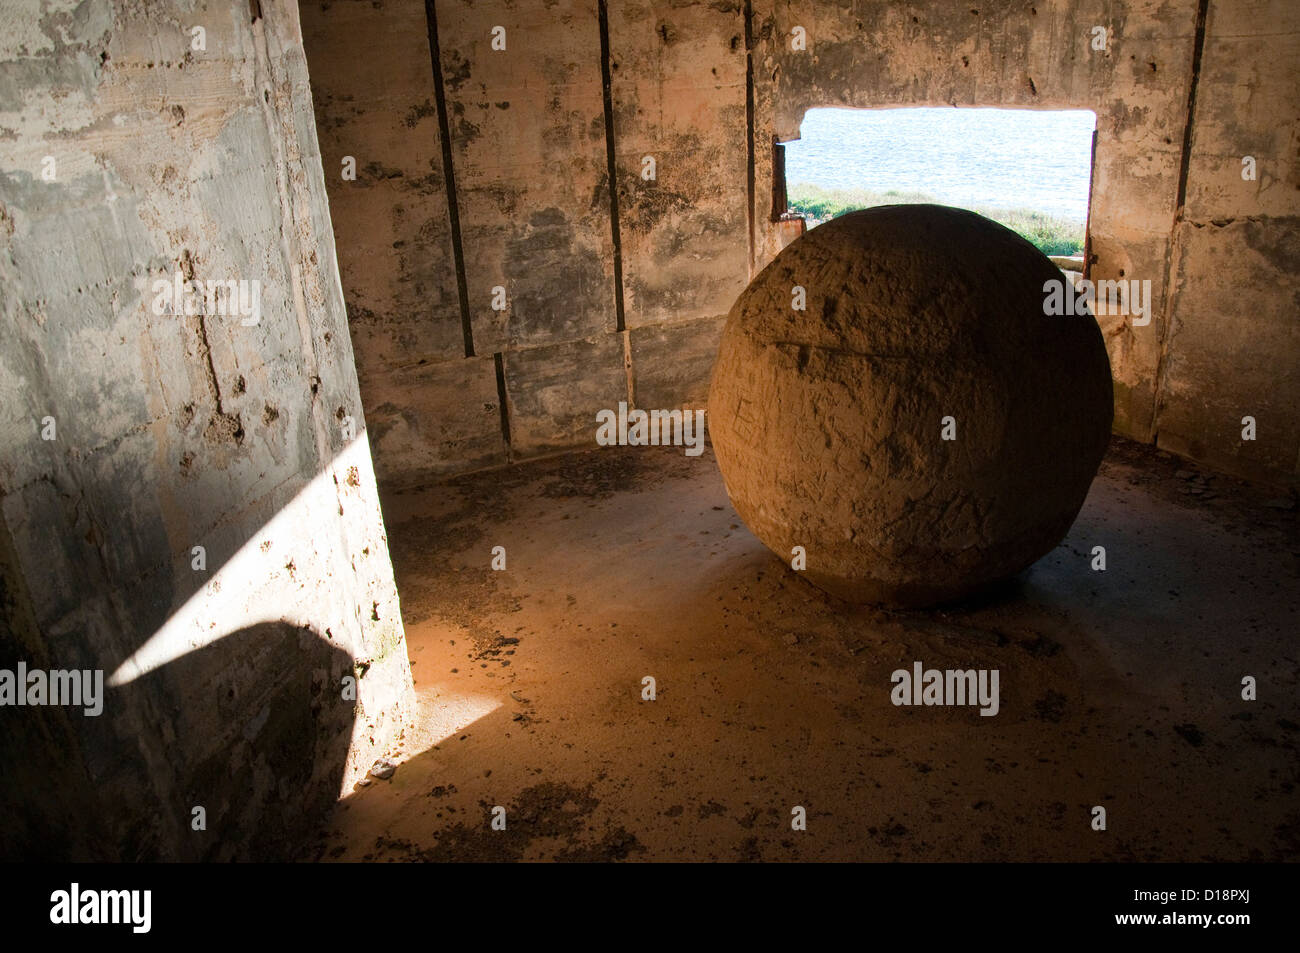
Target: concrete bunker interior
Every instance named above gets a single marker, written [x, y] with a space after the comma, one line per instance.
[369, 519]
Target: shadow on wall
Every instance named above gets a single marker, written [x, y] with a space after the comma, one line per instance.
[270, 692]
[250, 719]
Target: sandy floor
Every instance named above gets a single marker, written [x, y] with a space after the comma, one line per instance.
[1118, 688]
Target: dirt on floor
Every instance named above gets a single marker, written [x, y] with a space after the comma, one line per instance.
[1119, 688]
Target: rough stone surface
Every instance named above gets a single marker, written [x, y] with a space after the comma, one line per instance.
[828, 423]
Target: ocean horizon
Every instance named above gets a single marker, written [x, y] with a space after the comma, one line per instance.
[967, 156]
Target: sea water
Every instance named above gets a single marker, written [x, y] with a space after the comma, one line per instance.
[995, 158]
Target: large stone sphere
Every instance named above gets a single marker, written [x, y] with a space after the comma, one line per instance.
[920, 323]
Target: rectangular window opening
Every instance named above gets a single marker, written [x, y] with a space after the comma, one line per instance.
[1029, 169]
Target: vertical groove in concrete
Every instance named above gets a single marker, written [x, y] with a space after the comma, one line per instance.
[205, 351]
[449, 177]
[749, 127]
[1180, 208]
[607, 94]
[499, 361]
[1198, 51]
[627, 366]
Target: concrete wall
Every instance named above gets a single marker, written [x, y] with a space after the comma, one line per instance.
[530, 148]
[173, 431]
[376, 103]
[1234, 336]
[599, 308]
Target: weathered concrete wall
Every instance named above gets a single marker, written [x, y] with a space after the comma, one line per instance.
[1234, 336]
[588, 320]
[678, 84]
[429, 409]
[705, 89]
[131, 153]
[678, 92]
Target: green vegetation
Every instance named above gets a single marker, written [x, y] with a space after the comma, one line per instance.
[1051, 235]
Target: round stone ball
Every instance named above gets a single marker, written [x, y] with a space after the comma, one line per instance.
[892, 408]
